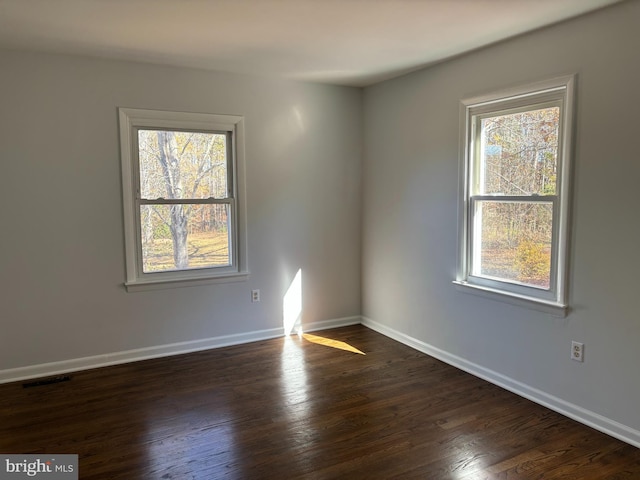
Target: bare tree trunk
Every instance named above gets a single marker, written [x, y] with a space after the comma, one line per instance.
[179, 236]
[179, 218]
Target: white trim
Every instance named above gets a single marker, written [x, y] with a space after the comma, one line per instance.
[116, 358]
[334, 323]
[546, 306]
[136, 279]
[518, 92]
[575, 412]
[143, 285]
[560, 91]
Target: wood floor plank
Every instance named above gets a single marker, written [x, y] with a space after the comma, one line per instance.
[293, 408]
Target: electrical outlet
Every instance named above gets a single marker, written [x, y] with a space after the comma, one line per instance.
[255, 296]
[577, 351]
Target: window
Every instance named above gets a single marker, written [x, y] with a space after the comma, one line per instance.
[515, 194]
[182, 186]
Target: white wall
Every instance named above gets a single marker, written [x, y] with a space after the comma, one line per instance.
[410, 180]
[61, 244]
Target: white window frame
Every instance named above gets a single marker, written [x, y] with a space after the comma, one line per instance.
[554, 92]
[131, 121]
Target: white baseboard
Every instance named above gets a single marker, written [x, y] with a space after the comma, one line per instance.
[582, 415]
[115, 358]
[334, 323]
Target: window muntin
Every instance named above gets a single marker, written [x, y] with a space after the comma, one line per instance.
[181, 196]
[516, 154]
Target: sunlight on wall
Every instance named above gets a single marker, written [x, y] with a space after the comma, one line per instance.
[297, 117]
[285, 129]
[292, 305]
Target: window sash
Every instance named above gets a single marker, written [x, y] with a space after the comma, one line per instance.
[230, 267]
[474, 239]
[228, 200]
[229, 160]
[475, 172]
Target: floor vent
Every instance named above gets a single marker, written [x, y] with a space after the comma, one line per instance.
[47, 381]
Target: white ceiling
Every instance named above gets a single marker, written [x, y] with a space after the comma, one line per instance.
[347, 42]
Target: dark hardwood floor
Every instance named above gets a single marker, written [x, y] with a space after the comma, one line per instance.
[294, 408]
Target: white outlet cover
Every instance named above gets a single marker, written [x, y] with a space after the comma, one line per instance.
[577, 351]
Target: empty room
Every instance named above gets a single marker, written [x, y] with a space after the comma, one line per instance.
[319, 239]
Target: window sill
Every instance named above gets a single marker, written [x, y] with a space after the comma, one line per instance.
[554, 308]
[146, 285]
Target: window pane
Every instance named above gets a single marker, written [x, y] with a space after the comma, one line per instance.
[181, 237]
[176, 164]
[514, 241]
[519, 153]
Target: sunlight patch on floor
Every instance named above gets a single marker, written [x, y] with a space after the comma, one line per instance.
[327, 342]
